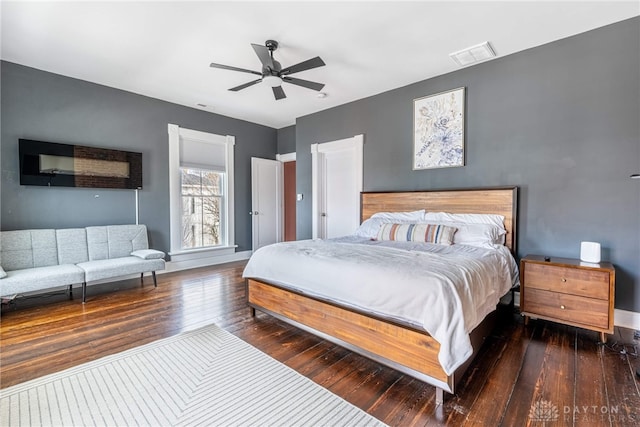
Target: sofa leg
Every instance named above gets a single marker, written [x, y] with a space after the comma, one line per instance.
[142, 278]
[70, 291]
[84, 292]
[155, 283]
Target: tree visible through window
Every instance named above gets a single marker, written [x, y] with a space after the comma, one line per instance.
[202, 194]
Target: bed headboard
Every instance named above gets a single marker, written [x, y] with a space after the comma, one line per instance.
[501, 201]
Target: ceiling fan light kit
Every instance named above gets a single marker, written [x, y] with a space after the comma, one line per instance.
[272, 73]
[272, 81]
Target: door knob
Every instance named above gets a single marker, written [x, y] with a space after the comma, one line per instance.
[323, 214]
[255, 213]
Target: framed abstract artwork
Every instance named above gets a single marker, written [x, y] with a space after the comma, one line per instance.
[438, 130]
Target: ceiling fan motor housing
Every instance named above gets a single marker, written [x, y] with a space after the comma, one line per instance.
[271, 45]
[275, 71]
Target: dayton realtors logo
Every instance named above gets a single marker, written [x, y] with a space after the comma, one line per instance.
[544, 411]
[599, 415]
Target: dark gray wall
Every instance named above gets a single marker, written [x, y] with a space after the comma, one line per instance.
[287, 140]
[561, 121]
[49, 107]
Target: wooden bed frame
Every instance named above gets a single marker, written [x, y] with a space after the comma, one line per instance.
[405, 348]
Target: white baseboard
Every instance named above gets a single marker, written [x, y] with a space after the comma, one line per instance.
[621, 318]
[627, 319]
[516, 299]
[205, 261]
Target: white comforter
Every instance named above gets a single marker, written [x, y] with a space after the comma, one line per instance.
[447, 290]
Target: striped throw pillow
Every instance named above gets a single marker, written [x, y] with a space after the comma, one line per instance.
[430, 233]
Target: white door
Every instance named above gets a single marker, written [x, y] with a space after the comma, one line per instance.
[336, 185]
[266, 202]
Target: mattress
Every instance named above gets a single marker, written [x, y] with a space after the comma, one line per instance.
[445, 290]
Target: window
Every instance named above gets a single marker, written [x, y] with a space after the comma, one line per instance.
[202, 201]
[201, 191]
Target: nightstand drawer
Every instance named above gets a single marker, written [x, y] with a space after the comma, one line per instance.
[574, 281]
[569, 308]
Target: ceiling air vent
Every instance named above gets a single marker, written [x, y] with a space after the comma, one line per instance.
[474, 54]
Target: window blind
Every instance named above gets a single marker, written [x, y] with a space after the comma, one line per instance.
[202, 155]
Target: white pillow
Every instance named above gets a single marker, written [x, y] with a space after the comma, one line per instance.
[482, 235]
[497, 220]
[400, 216]
[3, 273]
[370, 227]
[148, 254]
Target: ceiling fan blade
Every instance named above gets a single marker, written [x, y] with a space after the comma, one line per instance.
[304, 83]
[278, 92]
[263, 54]
[305, 65]
[229, 67]
[237, 88]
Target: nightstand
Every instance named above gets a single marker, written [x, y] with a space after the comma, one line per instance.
[568, 291]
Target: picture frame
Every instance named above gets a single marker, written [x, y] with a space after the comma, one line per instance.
[438, 130]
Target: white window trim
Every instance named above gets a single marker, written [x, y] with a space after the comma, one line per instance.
[175, 133]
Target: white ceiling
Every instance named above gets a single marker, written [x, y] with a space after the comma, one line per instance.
[163, 49]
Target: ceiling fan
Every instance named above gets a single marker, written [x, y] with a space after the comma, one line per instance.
[272, 72]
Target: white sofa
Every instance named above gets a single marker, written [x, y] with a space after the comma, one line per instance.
[34, 260]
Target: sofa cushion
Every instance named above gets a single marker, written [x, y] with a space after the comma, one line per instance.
[111, 268]
[72, 245]
[120, 236]
[3, 273]
[22, 249]
[97, 243]
[148, 254]
[15, 249]
[115, 241]
[38, 278]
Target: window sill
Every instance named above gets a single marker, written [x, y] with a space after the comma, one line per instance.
[191, 254]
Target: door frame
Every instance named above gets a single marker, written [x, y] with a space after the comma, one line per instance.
[285, 158]
[288, 157]
[279, 202]
[318, 191]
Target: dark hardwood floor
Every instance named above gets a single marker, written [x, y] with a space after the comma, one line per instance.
[519, 372]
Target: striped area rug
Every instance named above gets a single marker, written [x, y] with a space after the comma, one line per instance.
[204, 377]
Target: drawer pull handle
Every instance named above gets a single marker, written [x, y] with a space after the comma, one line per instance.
[563, 280]
[562, 307]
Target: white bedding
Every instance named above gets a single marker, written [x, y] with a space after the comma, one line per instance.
[445, 290]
